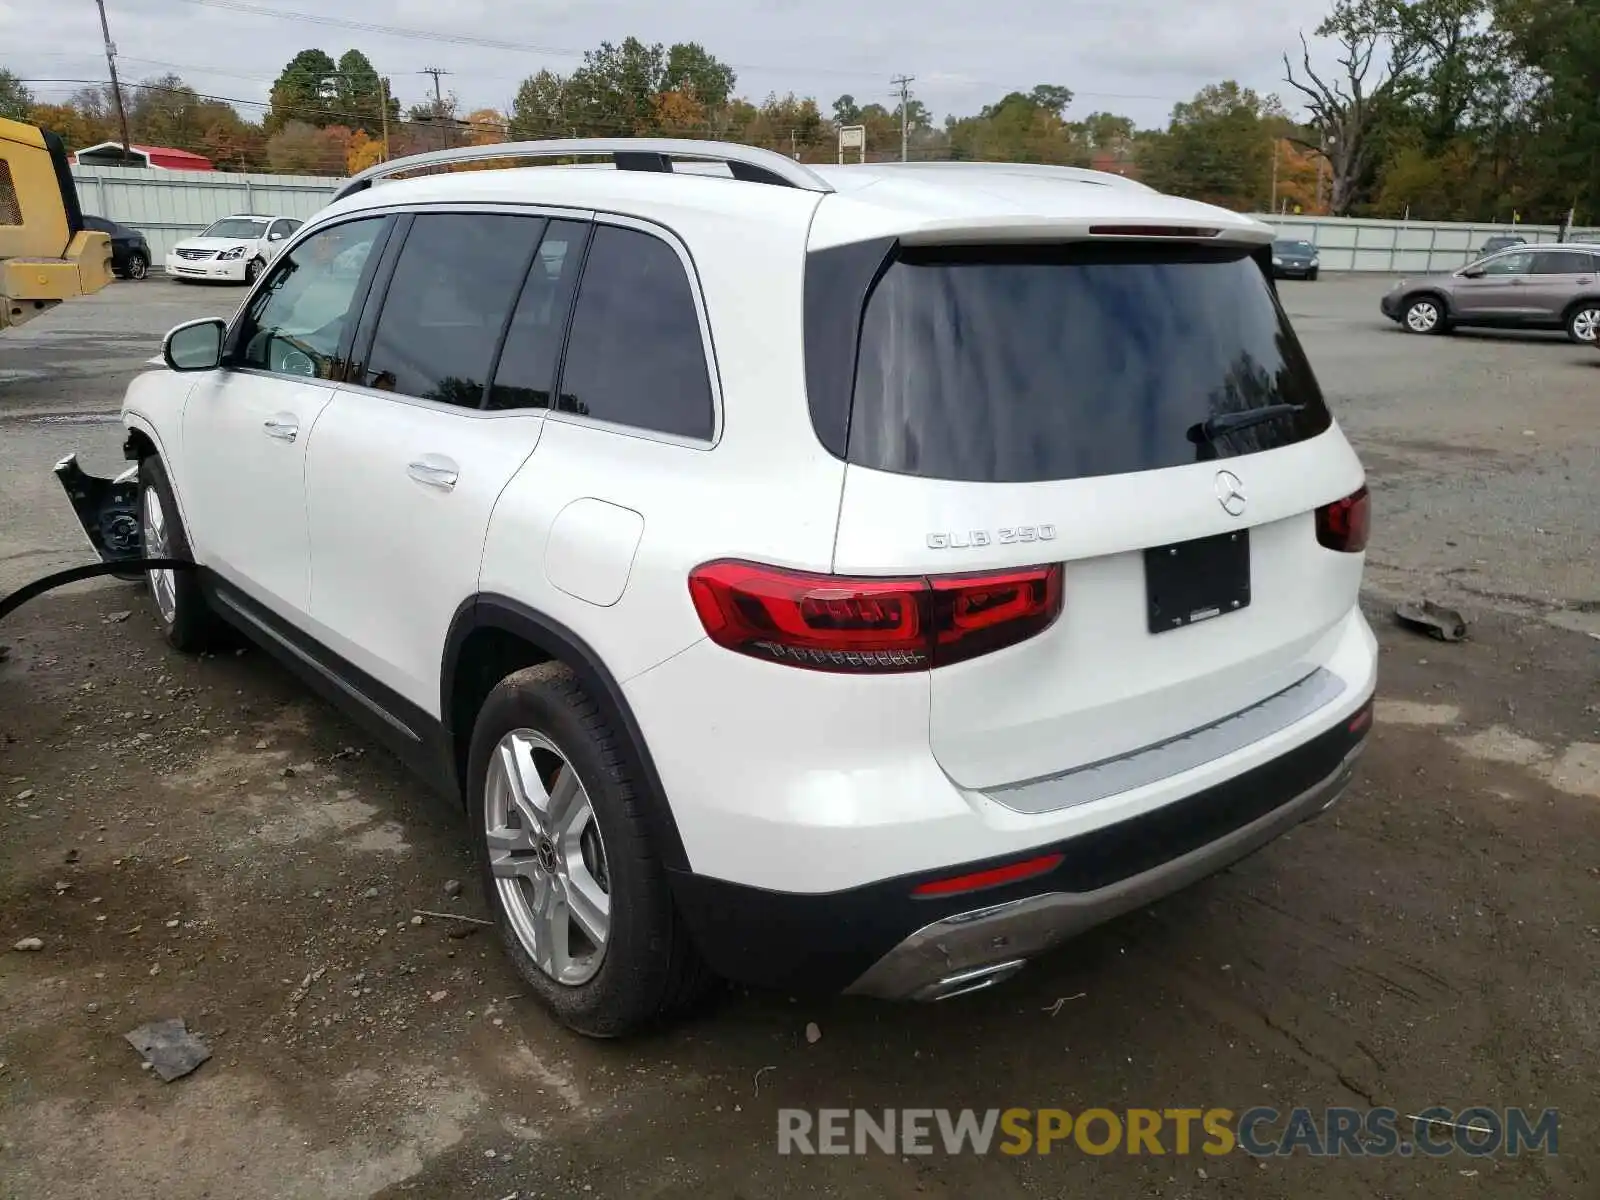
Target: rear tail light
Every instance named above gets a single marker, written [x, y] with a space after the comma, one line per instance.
[1344, 524]
[835, 623]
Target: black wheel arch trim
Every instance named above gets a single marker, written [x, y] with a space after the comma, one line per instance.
[488, 610]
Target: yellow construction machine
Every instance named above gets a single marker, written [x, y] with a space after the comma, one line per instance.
[46, 254]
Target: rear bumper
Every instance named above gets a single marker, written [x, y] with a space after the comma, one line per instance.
[882, 940]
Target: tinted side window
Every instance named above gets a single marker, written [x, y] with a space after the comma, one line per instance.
[1519, 263]
[526, 374]
[451, 295]
[1562, 262]
[635, 355]
[297, 322]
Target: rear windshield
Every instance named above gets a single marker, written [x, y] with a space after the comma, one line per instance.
[1008, 365]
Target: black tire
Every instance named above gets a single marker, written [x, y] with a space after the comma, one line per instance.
[1414, 316]
[138, 266]
[252, 271]
[1585, 316]
[1312, 276]
[649, 970]
[190, 626]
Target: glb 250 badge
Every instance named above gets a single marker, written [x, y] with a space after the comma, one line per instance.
[1004, 536]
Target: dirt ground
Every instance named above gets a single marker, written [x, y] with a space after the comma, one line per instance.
[201, 838]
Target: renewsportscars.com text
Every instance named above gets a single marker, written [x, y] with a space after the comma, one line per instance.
[1260, 1132]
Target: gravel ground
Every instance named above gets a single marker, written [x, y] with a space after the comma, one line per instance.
[200, 838]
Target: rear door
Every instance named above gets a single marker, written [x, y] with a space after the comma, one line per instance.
[1559, 277]
[415, 449]
[1026, 406]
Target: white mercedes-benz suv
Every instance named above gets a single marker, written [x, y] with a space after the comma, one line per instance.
[857, 578]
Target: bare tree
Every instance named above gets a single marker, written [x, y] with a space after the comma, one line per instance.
[1375, 57]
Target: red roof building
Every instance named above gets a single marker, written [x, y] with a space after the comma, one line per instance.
[109, 154]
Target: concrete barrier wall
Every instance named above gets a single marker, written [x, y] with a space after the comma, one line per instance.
[167, 206]
[1405, 247]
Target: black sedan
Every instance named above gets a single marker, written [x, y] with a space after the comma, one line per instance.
[130, 253]
[1292, 259]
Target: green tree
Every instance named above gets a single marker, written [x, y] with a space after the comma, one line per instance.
[1020, 127]
[1217, 148]
[613, 93]
[16, 101]
[358, 94]
[540, 108]
[304, 92]
[690, 69]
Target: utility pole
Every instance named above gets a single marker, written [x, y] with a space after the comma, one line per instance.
[116, 88]
[438, 103]
[903, 82]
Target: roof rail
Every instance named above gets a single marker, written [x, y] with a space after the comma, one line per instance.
[749, 163]
[1045, 170]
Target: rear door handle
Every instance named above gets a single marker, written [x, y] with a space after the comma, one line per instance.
[282, 426]
[435, 471]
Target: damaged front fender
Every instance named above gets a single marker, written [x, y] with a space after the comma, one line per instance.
[108, 511]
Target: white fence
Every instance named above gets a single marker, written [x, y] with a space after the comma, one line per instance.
[169, 205]
[1405, 247]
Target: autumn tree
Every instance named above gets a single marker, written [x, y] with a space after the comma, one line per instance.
[540, 108]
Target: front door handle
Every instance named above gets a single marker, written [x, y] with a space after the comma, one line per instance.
[283, 426]
[435, 471]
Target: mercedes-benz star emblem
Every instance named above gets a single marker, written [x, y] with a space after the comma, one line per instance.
[545, 850]
[1230, 493]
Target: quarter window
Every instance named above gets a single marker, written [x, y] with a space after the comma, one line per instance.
[635, 355]
[452, 293]
[298, 322]
[526, 374]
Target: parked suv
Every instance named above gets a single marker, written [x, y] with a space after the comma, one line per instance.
[833, 578]
[236, 249]
[1528, 287]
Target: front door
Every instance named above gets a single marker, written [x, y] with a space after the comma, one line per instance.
[247, 425]
[1499, 293]
[411, 457]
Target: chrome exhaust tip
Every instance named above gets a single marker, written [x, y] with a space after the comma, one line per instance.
[963, 983]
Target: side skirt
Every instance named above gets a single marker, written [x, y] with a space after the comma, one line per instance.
[414, 736]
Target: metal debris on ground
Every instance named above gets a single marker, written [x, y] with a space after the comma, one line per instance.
[1424, 616]
[423, 912]
[1060, 1000]
[168, 1047]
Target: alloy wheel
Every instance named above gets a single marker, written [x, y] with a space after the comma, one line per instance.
[547, 857]
[1586, 324]
[1422, 317]
[158, 544]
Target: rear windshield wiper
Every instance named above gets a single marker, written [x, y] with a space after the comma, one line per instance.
[1222, 424]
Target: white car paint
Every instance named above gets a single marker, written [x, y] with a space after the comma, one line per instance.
[228, 247]
[779, 778]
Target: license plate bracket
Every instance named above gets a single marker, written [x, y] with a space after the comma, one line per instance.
[1189, 582]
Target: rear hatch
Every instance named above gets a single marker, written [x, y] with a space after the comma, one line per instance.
[1139, 412]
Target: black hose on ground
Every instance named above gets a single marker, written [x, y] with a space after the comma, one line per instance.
[76, 574]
